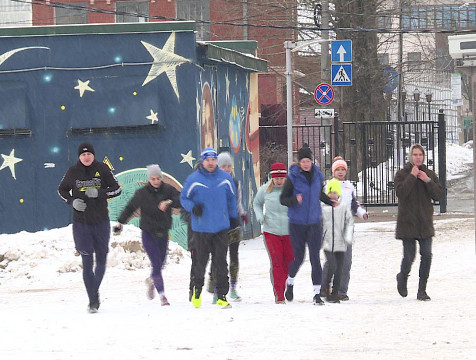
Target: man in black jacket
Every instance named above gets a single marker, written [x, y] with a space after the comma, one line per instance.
[155, 202]
[91, 183]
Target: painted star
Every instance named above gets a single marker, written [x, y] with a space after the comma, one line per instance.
[227, 82]
[82, 87]
[165, 61]
[188, 158]
[10, 161]
[152, 117]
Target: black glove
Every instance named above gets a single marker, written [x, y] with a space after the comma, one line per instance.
[117, 229]
[197, 210]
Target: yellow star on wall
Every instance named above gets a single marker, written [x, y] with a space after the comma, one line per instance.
[188, 158]
[82, 87]
[10, 161]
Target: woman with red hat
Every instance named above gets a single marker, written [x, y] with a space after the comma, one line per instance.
[274, 219]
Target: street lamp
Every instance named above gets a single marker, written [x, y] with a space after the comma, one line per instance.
[428, 96]
[416, 97]
[290, 46]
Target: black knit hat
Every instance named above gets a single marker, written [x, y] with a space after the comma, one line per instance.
[85, 147]
[304, 152]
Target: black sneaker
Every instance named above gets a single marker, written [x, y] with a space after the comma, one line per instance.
[317, 300]
[333, 298]
[94, 304]
[423, 296]
[289, 292]
[402, 284]
[343, 297]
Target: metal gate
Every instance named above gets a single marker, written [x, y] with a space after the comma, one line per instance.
[318, 137]
[375, 151]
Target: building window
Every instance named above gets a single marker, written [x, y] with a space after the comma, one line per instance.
[132, 11]
[198, 10]
[384, 21]
[383, 59]
[414, 61]
[72, 13]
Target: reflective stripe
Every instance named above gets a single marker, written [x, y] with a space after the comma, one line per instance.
[224, 182]
[192, 186]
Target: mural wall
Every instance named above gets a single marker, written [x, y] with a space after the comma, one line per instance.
[139, 97]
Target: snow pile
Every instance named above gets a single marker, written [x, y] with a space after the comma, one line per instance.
[45, 255]
[459, 160]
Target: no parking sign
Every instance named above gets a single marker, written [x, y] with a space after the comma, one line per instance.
[324, 94]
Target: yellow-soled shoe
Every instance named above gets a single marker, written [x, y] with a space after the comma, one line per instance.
[222, 303]
[197, 297]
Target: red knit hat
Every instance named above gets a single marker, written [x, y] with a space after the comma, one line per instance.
[278, 170]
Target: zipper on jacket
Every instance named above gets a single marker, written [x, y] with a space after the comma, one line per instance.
[333, 229]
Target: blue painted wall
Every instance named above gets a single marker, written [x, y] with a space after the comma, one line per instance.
[53, 84]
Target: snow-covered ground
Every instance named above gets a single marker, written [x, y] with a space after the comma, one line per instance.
[43, 302]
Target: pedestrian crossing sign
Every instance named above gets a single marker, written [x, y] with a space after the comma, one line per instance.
[341, 74]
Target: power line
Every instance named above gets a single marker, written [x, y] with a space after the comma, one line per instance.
[227, 23]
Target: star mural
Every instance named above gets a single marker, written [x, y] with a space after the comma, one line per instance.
[152, 117]
[227, 82]
[5, 56]
[10, 161]
[83, 86]
[165, 61]
[188, 158]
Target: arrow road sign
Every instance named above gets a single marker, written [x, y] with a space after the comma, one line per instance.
[341, 74]
[324, 94]
[323, 113]
[341, 51]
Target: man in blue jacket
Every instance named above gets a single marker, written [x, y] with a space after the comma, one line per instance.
[209, 194]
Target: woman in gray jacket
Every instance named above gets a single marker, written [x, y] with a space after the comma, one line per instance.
[274, 219]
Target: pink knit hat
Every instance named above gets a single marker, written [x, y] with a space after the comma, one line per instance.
[339, 163]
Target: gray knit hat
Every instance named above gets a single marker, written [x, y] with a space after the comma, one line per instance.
[224, 158]
[153, 170]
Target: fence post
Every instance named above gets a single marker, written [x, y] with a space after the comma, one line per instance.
[442, 158]
[336, 134]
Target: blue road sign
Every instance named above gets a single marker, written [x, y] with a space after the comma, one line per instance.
[324, 94]
[390, 77]
[341, 51]
[341, 74]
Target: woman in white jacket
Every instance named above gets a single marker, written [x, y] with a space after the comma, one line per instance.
[274, 220]
[338, 229]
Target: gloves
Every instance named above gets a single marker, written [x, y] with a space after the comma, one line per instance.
[91, 192]
[79, 205]
[244, 218]
[197, 210]
[117, 229]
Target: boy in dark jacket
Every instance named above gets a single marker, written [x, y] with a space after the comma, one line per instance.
[91, 183]
[155, 202]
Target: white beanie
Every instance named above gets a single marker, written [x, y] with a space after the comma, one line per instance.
[153, 170]
[224, 158]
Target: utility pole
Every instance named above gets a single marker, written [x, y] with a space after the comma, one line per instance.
[400, 63]
[288, 45]
[325, 20]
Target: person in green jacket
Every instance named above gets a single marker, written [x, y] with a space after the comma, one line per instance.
[274, 220]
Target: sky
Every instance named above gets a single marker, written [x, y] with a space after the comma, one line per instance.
[43, 303]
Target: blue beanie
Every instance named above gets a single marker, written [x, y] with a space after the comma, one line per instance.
[208, 152]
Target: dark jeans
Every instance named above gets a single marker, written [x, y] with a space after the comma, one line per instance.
[335, 263]
[156, 249]
[90, 240]
[312, 235]
[409, 251]
[344, 281]
[234, 264]
[215, 244]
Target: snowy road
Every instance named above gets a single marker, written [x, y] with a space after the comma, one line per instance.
[43, 311]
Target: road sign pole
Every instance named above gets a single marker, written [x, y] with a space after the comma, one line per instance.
[288, 45]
